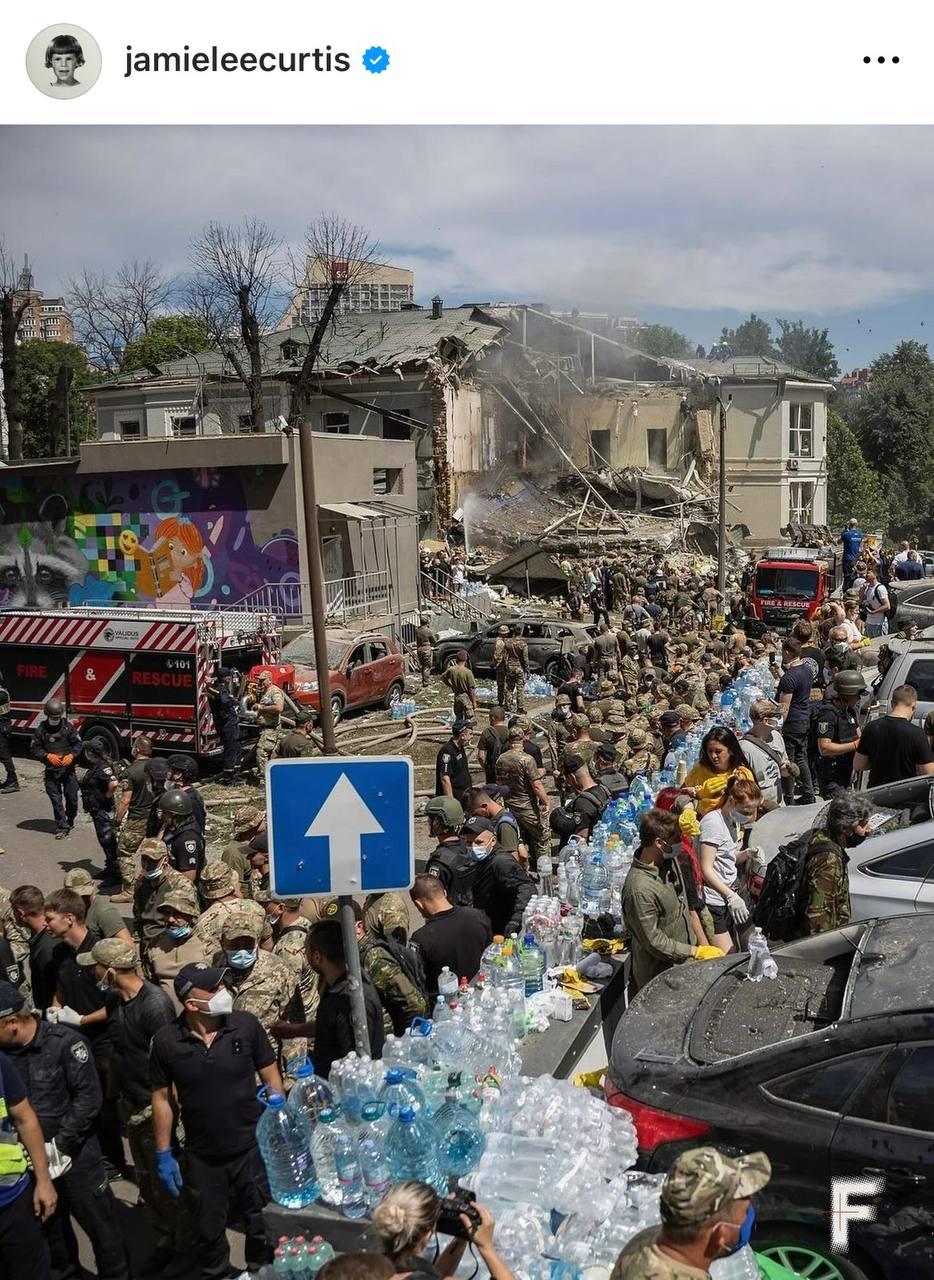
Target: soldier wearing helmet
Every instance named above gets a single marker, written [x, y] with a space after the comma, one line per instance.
[838, 733]
[451, 862]
[183, 840]
[56, 743]
[183, 774]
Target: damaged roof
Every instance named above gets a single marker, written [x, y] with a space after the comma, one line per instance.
[368, 342]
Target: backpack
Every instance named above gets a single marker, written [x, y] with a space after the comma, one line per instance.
[409, 960]
[779, 909]
[457, 870]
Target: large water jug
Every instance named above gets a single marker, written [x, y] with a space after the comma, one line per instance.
[412, 1149]
[309, 1093]
[507, 976]
[347, 1166]
[401, 1090]
[323, 1142]
[461, 1141]
[377, 1175]
[284, 1140]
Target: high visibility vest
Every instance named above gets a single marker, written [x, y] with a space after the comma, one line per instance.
[12, 1154]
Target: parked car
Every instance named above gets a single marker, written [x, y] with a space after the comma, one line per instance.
[366, 670]
[544, 636]
[828, 1068]
[892, 871]
[912, 602]
[906, 662]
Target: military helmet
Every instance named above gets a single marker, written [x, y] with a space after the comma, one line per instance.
[54, 709]
[563, 700]
[849, 683]
[187, 766]
[175, 802]
[451, 811]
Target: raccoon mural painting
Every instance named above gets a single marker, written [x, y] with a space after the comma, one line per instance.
[174, 540]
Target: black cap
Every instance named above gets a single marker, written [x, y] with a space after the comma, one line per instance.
[460, 725]
[202, 976]
[11, 1000]
[223, 672]
[260, 843]
[478, 824]
[496, 791]
[606, 751]
[669, 718]
[573, 763]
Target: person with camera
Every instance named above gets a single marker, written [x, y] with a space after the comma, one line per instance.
[410, 1213]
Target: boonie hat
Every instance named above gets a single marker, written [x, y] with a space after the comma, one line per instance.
[113, 953]
[80, 880]
[702, 1181]
[217, 881]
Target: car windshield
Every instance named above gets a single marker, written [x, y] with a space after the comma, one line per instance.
[790, 584]
[737, 1016]
[301, 651]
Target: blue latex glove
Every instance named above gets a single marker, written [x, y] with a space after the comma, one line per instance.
[170, 1175]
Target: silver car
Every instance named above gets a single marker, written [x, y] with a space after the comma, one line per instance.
[892, 871]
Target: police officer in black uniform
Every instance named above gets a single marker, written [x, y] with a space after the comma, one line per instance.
[57, 1068]
[56, 743]
[502, 887]
[183, 774]
[226, 713]
[11, 782]
[99, 786]
[838, 732]
[184, 841]
[452, 862]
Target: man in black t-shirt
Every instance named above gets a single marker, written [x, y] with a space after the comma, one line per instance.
[892, 747]
[452, 771]
[794, 698]
[452, 936]
[334, 1034]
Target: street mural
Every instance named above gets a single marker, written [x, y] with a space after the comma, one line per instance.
[179, 539]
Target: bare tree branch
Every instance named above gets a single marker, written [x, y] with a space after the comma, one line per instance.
[13, 306]
[110, 312]
[341, 254]
[237, 275]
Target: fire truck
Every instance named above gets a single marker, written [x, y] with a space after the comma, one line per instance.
[122, 671]
[792, 582]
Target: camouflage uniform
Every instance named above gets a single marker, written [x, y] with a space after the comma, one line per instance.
[425, 641]
[268, 707]
[16, 934]
[218, 881]
[499, 665]
[701, 1184]
[629, 674]
[401, 999]
[517, 668]
[642, 759]
[387, 914]
[131, 833]
[517, 770]
[147, 920]
[268, 989]
[289, 945]
[825, 888]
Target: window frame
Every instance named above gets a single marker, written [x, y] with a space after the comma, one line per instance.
[797, 433]
[140, 425]
[332, 428]
[874, 1053]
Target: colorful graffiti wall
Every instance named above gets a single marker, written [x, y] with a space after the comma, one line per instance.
[172, 539]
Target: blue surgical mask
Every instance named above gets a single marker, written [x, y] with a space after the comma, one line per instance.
[745, 1230]
[179, 930]
[241, 959]
[479, 851]
[104, 986]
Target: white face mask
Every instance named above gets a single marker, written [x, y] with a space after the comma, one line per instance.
[220, 1003]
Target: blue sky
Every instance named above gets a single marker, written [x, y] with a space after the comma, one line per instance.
[689, 226]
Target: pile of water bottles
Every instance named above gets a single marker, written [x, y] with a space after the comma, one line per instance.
[403, 707]
[536, 686]
[298, 1258]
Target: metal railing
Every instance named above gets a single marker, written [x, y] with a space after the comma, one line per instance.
[358, 596]
[436, 592]
[284, 599]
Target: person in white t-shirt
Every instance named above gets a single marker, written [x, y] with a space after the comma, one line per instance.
[764, 750]
[720, 853]
[875, 600]
[901, 555]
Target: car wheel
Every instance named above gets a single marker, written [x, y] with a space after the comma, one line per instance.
[806, 1254]
[394, 694]
[104, 734]
[337, 707]
[450, 661]
[551, 670]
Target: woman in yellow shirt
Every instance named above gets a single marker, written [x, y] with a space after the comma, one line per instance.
[720, 759]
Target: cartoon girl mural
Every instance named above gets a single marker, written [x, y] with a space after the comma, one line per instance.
[173, 570]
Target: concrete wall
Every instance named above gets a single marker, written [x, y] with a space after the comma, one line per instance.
[628, 418]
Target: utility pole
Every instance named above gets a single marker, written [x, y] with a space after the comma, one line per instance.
[326, 718]
[721, 523]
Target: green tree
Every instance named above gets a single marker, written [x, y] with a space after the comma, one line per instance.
[853, 488]
[752, 338]
[56, 415]
[167, 338]
[662, 340]
[807, 349]
[894, 425]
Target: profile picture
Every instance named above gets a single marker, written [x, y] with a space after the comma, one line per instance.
[63, 61]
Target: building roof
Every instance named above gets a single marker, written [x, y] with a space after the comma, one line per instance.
[372, 342]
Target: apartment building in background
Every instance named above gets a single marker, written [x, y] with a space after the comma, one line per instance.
[46, 319]
[376, 286]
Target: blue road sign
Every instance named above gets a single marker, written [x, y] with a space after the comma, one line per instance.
[340, 825]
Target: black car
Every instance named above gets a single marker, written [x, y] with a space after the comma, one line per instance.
[912, 603]
[829, 1068]
[544, 636]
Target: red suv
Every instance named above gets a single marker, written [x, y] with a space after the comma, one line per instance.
[366, 670]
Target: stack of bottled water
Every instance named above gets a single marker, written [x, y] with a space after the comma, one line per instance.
[402, 708]
[486, 693]
[537, 686]
[297, 1258]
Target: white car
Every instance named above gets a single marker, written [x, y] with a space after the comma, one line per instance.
[891, 872]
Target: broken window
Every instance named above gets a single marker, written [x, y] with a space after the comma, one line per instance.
[387, 480]
[800, 502]
[336, 424]
[393, 429]
[599, 449]
[131, 430]
[801, 431]
[656, 441]
[185, 426]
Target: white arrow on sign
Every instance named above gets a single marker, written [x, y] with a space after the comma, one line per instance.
[344, 818]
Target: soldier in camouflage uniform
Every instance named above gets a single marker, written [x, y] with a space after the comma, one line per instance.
[641, 759]
[517, 771]
[170, 952]
[289, 936]
[825, 886]
[401, 999]
[425, 641]
[705, 1207]
[220, 891]
[387, 914]
[261, 983]
[517, 668]
[629, 674]
[248, 822]
[16, 934]
[499, 664]
[580, 744]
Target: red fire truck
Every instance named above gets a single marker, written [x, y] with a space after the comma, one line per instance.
[792, 582]
[124, 671]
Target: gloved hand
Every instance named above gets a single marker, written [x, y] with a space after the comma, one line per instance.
[737, 908]
[69, 1016]
[170, 1175]
[54, 761]
[68, 759]
[59, 1163]
[708, 953]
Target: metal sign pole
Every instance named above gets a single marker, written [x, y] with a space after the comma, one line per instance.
[361, 1034]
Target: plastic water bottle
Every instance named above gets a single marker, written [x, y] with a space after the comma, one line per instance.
[545, 870]
[284, 1140]
[491, 956]
[461, 1141]
[532, 958]
[353, 1200]
[377, 1175]
[401, 1090]
[323, 1142]
[595, 885]
[447, 984]
[741, 1265]
[412, 1150]
[507, 976]
[441, 1011]
[761, 965]
[309, 1093]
